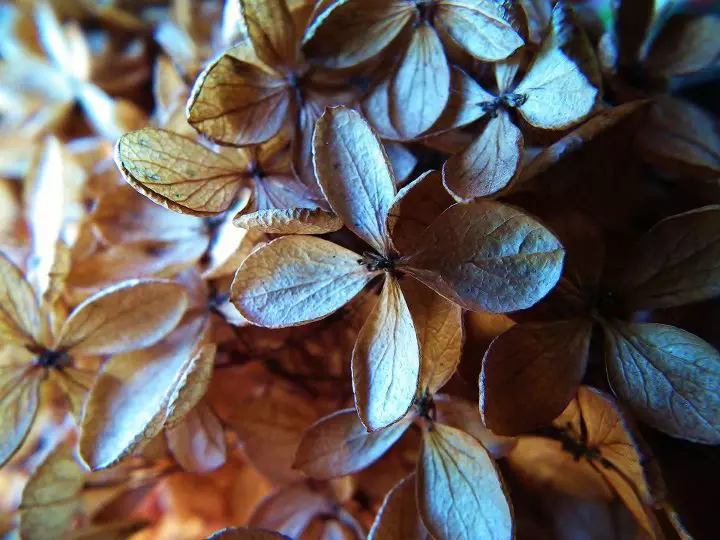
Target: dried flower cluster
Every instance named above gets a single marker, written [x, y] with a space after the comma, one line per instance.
[348, 269]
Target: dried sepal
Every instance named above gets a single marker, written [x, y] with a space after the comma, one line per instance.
[675, 263]
[459, 490]
[236, 102]
[542, 362]
[19, 403]
[197, 441]
[51, 497]
[123, 318]
[360, 193]
[246, 534]
[669, 377]
[177, 172]
[438, 323]
[398, 516]
[487, 256]
[171, 376]
[289, 221]
[21, 322]
[297, 279]
[340, 444]
[489, 163]
[386, 360]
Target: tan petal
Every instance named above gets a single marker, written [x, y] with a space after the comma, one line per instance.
[197, 442]
[542, 362]
[235, 102]
[270, 28]
[344, 33]
[415, 207]
[297, 279]
[75, 384]
[464, 415]
[438, 323]
[289, 221]
[459, 490]
[51, 497]
[420, 88]
[676, 262]
[339, 444]
[127, 316]
[116, 422]
[489, 163]
[19, 401]
[354, 173]
[670, 378]
[479, 27]
[487, 256]
[177, 172]
[398, 516]
[595, 420]
[386, 361]
[21, 322]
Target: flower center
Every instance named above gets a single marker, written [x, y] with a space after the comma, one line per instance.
[426, 11]
[52, 359]
[508, 100]
[374, 262]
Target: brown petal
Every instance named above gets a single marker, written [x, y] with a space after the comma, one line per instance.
[246, 534]
[270, 428]
[343, 34]
[19, 402]
[677, 262]
[290, 510]
[488, 164]
[289, 221]
[398, 516]
[51, 497]
[542, 362]
[686, 44]
[197, 442]
[438, 323]
[487, 256]
[339, 444]
[415, 207]
[682, 138]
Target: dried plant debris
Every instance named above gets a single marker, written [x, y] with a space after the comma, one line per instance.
[350, 269]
